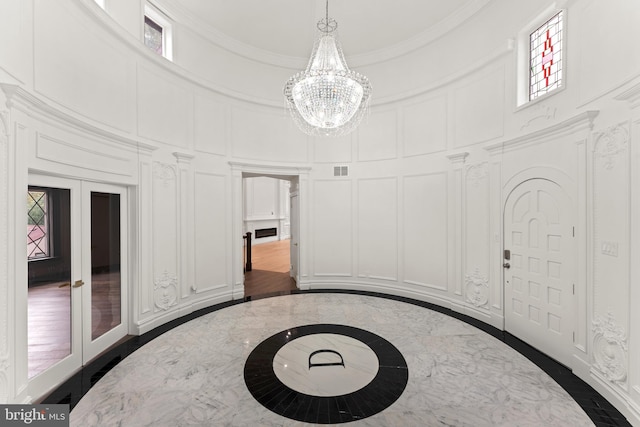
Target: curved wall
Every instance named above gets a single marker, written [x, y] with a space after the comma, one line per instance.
[430, 169]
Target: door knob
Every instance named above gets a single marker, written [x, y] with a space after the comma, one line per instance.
[506, 265]
[78, 283]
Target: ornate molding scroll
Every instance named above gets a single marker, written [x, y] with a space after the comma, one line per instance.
[610, 144]
[541, 112]
[164, 172]
[165, 291]
[4, 368]
[477, 288]
[610, 349]
[476, 173]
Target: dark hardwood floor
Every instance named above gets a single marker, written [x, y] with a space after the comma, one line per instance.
[270, 273]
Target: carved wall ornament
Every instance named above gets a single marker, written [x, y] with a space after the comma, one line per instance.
[4, 126]
[165, 291]
[540, 112]
[164, 172]
[609, 349]
[477, 288]
[4, 368]
[610, 144]
[476, 173]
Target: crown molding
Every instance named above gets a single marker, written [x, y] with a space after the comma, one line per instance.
[22, 100]
[582, 121]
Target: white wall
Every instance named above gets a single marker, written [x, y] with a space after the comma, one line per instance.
[420, 213]
[266, 205]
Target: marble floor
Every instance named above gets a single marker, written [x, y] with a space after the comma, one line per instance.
[192, 374]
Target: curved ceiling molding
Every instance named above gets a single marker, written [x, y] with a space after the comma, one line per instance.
[431, 34]
[199, 25]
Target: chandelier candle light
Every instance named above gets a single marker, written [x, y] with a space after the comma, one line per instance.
[327, 98]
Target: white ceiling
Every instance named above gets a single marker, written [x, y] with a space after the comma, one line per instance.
[287, 28]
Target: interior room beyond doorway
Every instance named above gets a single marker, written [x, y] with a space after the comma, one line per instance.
[267, 216]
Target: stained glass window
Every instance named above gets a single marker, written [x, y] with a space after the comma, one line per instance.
[37, 224]
[153, 35]
[546, 57]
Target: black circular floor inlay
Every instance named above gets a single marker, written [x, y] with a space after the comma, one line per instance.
[384, 389]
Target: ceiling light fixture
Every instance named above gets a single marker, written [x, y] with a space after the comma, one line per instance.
[327, 98]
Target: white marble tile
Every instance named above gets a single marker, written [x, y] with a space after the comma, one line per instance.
[458, 375]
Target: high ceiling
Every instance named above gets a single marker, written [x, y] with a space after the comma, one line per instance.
[288, 27]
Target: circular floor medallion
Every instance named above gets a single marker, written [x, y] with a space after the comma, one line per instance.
[326, 374]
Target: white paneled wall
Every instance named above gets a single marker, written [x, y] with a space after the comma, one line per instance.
[420, 211]
[333, 228]
[377, 228]
[426, 231]
[211, 216]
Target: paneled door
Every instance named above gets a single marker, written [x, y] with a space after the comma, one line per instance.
[539, 272]
[77, 274]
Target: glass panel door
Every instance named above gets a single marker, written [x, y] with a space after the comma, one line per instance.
[77, 269]
[54, 268]
[48, 232]
[105, 263]
[105, 270]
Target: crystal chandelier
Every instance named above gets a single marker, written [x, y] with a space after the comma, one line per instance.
[327, 98]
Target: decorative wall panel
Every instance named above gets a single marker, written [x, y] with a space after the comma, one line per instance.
[610, 349]
[479, 109]
[378, 228]
[620, 23]
[425, 127]
[165, 293]
[165, 109]
[211, 240]
[333, 150]
[610, 168]
[332, 228]
[266, 134]
[378, 136]
[610, 193]
[78, 65]
[425, 228]
[210, 125]
[165, 233]
[476, 233]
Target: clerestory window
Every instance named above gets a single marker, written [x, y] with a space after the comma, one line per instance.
[157, 32]
[545, 54]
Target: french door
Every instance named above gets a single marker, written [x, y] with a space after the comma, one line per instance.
[77, 270]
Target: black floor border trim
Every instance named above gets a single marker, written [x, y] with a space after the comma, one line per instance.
[601, 412]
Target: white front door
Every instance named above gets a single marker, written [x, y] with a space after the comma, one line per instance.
[78, 270]
[538, 277]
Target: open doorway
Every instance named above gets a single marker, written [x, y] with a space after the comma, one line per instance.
[267, 215]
